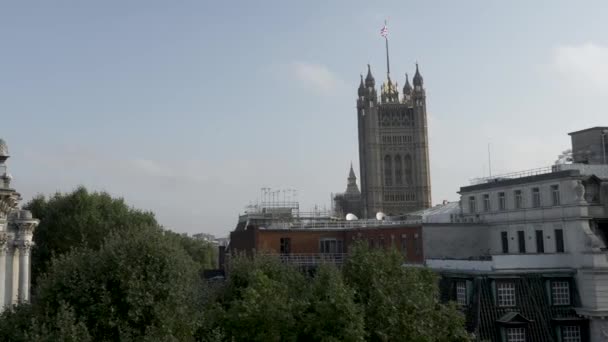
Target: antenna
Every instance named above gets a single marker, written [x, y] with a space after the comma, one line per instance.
[489, 161]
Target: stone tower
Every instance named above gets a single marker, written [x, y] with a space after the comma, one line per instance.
[393, 146]
[349, 202]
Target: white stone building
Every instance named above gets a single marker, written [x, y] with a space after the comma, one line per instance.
[16, 230]
[540, 234]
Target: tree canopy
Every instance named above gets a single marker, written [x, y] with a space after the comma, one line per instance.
[108, 272]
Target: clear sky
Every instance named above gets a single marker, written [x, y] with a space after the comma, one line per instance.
[188, 108]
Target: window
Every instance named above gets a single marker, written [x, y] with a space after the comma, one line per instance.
[521, 241]
[560, 292]
[388, 171]
[461, 293]
[381, 242]
[571, 333]
[404, 245]
[535, 197]
[285, 245]
[540, 242]
[486, 202]
[505, 293]
[518, 199]
[398, 171]
[472, 208]
[331, 246]
[555, 194]
[516, 335]
[416, 244]
[559, 241]
[502, 203]
[505, 242]
[409, 180]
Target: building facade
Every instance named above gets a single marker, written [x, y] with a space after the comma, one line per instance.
[16, 230]
[309, 245]
[393, 147]
[525, 254]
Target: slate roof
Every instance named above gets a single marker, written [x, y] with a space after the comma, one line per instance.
[484, 318]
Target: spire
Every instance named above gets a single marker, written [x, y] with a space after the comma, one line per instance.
[369, 79]
[407, 88]
[351, 186]
[361, 87]
[351, 174]
[417, 77]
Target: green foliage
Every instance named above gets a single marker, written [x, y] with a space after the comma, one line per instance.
[202, 252]
[333, 314]
[78, 219]
[264, 300]
[111, 273]
[400, 303]
[137, 286]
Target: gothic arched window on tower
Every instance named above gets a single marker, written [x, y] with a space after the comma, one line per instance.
[408, 170]
[388, 171]
[398, 171]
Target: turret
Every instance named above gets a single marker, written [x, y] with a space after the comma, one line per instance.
[370, 82]
[361, 87]
[407, 88]
[418, 82]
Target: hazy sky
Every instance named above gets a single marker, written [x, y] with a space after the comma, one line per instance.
[188, 108]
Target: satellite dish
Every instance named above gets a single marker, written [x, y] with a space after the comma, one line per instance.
[351, 217]
[380, 216]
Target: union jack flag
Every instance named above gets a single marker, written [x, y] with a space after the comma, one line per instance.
[384, 31]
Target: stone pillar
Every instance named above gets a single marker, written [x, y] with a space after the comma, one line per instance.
[8, 275]
[24, 271]
[15, 276]
[3, 250]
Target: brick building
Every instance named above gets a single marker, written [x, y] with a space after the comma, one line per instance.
[311, 243]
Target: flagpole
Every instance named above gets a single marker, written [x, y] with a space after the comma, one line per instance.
[388, 66]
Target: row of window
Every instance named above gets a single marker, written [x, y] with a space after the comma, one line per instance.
[400, 171]
[568, 333]
[540, 241]
[400, 197]
[505, 294]
[559, 293]
[397, 139]
[336, 246]
[518, 200]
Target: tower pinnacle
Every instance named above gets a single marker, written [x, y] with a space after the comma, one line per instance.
[370, 82]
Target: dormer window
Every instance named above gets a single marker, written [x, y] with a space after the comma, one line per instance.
[560, 292]
[505, 293]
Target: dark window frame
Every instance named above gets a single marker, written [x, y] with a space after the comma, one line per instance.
[559, 241]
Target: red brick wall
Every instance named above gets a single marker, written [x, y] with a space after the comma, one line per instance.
[301, 241]
[307, 241]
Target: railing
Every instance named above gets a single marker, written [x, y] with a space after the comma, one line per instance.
[512, 175]
[312, 259]
[341, 224]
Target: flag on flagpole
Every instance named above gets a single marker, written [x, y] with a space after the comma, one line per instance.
[384, 31]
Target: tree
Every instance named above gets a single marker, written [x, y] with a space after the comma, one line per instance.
[400, 303]
[333, 314]
[138, 285]
[78, 219]
[202, 252]
[264, 300]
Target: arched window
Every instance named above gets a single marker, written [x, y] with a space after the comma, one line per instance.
[398, 171]
[388, 171]
[408, 170]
